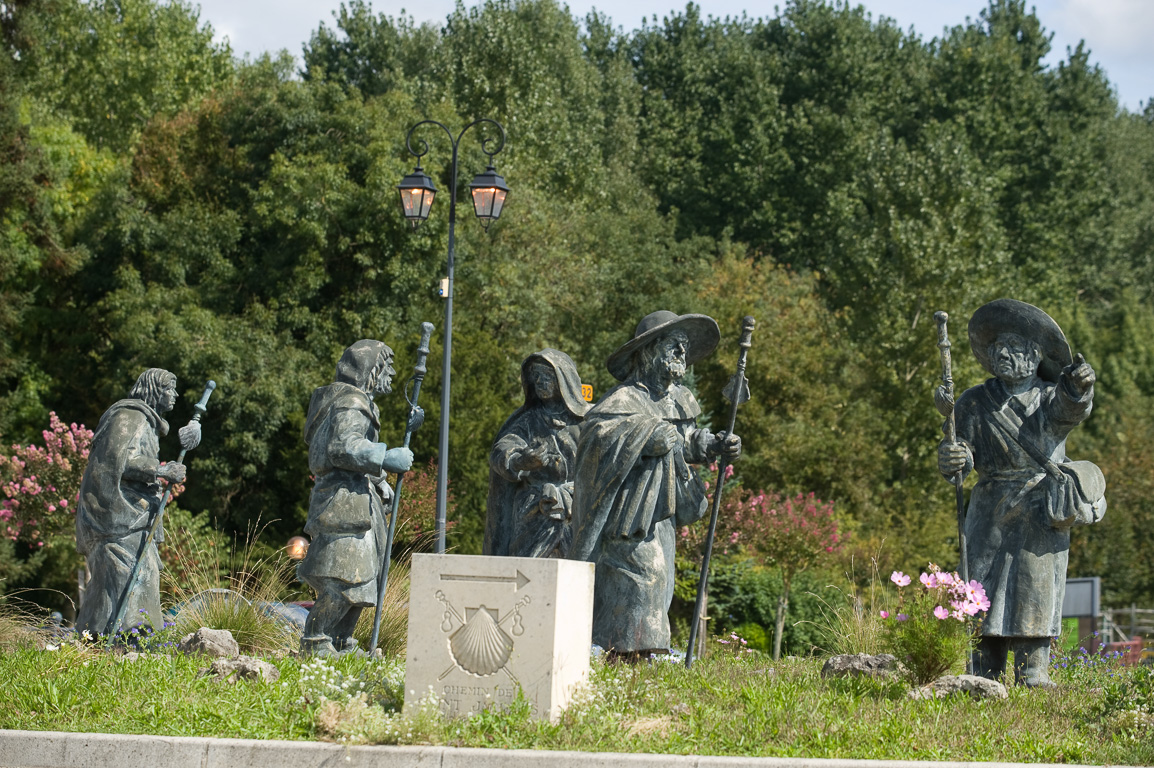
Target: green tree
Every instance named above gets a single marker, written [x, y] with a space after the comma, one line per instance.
[110, 66]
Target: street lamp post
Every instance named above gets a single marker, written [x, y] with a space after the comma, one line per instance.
[417, 192]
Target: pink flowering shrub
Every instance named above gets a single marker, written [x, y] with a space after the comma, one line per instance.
[40, 486]
[792, 534]
[932, 630]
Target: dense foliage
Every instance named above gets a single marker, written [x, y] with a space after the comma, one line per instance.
[838, 178]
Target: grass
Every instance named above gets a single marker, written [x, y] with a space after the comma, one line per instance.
[725, 705]
[22, 625]
[849, 620]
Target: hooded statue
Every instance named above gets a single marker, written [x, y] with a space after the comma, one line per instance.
[119, 495]
[531, 463]
[347, 523]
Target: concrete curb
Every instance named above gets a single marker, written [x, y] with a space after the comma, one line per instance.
[51, 749]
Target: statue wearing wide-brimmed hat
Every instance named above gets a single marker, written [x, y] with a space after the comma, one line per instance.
[634, 484]
[1012, 429]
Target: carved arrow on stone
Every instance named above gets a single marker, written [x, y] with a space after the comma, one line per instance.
[519, 580]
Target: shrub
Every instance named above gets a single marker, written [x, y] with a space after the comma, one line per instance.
[41, 486]
[926, 636]
[743, 593]
[792, 534]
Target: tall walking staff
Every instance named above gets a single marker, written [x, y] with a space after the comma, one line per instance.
[189, 439]
[737, 392]
[413, 424]
[946, 408]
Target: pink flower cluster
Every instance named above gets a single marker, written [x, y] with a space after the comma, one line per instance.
[793, 532]
[965, 599]
[40, 486]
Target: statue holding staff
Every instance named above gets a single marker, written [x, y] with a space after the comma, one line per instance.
[1012, 430]
[347, 521]
[635, 484]
[120, 497]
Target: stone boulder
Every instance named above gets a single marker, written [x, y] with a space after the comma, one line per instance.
[882, 666]
[241, 668]
[970, 685]
[210, 642]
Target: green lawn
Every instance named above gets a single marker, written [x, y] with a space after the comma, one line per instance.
[723, 706]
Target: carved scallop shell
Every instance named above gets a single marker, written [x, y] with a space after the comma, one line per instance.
[481, 646]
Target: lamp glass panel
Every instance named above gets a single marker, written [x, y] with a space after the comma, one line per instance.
[498, 202]
[483, 201]
[417, 202]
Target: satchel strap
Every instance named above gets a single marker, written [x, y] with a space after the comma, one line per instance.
[1011, 425]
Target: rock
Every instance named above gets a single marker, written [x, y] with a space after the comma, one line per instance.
[210, 642]
[883, 665]
[242, 668]
[977, 687]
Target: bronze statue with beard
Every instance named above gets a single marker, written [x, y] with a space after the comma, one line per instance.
[634, 483]
[119, 495]
[1012, 429]
[347, 521]
[532, 462]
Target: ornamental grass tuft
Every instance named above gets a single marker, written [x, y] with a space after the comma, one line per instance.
[22, 625]
[233, 590]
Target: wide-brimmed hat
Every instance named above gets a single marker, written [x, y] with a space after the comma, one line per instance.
[702, 331]
[1013, 316]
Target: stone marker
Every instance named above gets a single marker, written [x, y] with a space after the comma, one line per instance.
[482, 627]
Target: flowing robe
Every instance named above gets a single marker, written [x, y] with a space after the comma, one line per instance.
[119, 494]
[346, 523]
[626, 507]
[1019, 518]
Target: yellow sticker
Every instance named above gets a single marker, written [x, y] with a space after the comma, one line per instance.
[587, 392]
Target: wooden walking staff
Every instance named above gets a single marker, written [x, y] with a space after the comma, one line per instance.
[383, 578]
[737, 392]
[946, 408]
[188, 441]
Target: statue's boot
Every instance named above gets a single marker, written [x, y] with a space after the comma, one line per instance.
[343, 631]
[1032, 662]
[328, 615]
[989, 659]
[318, 646]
